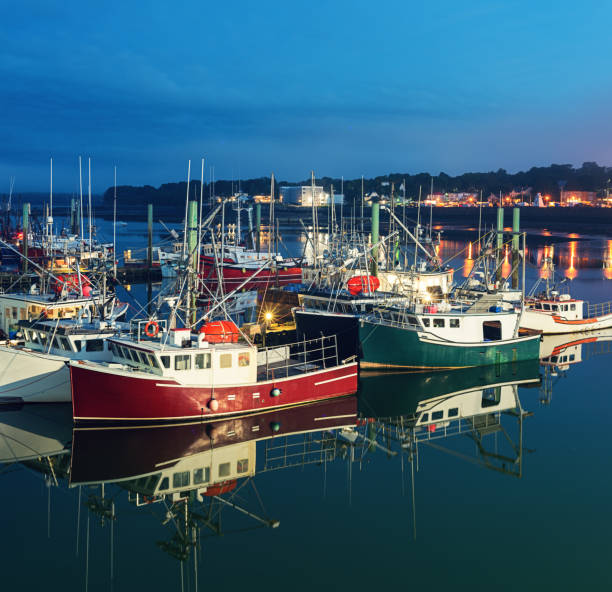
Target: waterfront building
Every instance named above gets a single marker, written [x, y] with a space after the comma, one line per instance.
[304, 195]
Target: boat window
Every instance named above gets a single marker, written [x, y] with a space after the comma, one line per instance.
[554, 359]
[143, 358]
[131, 354]
[572, 357]
[425, 417]
[425, 322]
[438, 322]
[65, 343]
[94, 345]
[546, 306]
[34, 337]
[152, 361]
[538, 306]
[182, 362]
[454, 412]
[437, 415]
[201, 475]
[56, 344]
[453, 323]
[26, 335]
[77, 345]
[224, 469]
[564, 307]
[555, 307]
[572, 307]
[165, 360]
[225, 361]
[202, 361]
[164, 484]
[113, 348]
[491, 396]
[491, 330]
[181, 479]
[411, 320]
[244, 359]
[242, 466]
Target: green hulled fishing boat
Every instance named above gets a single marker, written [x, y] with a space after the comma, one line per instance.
[395, 339]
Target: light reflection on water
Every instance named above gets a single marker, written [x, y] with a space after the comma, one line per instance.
[570, 258]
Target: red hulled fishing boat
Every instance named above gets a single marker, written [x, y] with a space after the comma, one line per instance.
[159, 376]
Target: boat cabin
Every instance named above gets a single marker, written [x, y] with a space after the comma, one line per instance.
[69, 339]
[187, 358]
[452, 325]
[567, 308]
[30, 307]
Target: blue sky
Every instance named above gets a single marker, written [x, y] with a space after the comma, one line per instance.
[344, 88]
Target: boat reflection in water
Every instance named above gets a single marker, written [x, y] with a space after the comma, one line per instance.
[194, 470]
[199, 478]
[560, 352]
[419, 408]
[35, 432]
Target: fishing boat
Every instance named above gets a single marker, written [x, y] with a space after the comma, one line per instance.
[551, 311]
[444, 336]
[238, 264]
[162, 374]
[36, 370]
[560, 313]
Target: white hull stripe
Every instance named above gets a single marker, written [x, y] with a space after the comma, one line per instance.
[334, 379]
[330, 417]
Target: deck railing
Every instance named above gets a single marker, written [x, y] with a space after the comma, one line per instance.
[299, 357]
[598, 310]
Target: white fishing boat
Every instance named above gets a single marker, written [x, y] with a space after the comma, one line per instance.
[37, 370]
[560, 313]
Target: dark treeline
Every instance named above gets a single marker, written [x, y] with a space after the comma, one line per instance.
[547, 180]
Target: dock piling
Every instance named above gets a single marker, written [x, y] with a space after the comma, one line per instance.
[500, 243]
[516, 223]
[150, 237]
[375, 234]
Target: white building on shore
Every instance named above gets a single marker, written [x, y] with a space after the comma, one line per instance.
[303, 195]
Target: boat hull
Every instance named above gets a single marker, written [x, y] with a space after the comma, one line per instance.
[235, 275]
[384, 346]
[33, 377]
[552, 324]
[103, 394]
[314, 324]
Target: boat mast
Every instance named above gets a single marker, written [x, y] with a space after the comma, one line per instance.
[418, 226]
[186, 205]
[115, 227]
[315, 221]
[81, 200]
[200, 223]
[50, 220]
[89, 206]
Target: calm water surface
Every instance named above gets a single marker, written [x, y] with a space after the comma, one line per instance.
[351, 494]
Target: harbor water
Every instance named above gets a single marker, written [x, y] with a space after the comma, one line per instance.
[513, 495]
